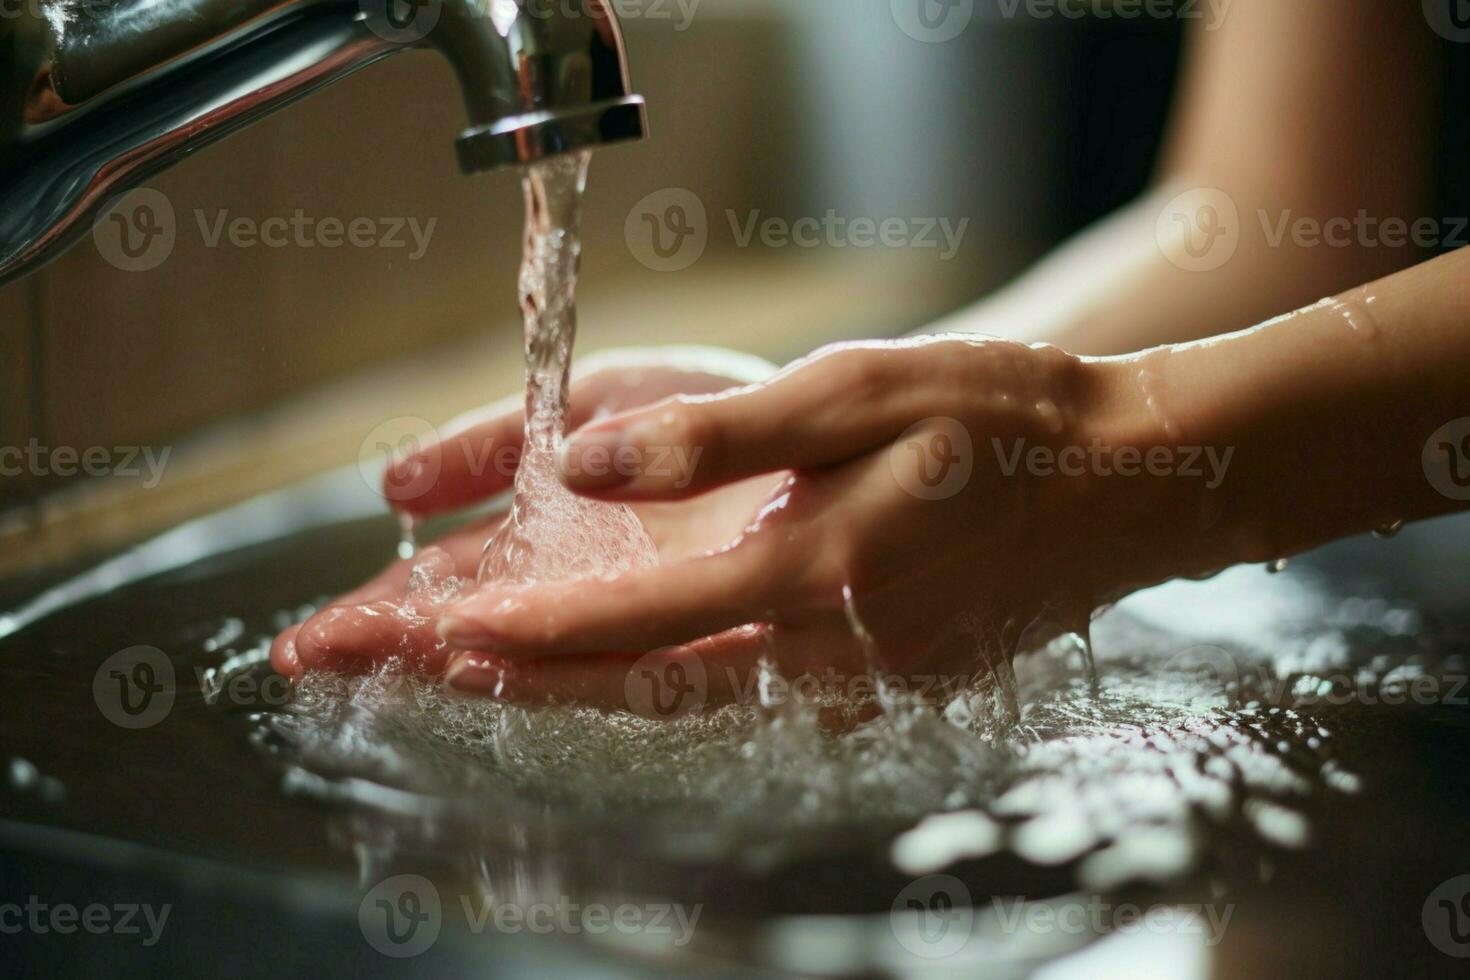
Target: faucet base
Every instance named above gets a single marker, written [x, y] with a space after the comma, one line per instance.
[534, 136]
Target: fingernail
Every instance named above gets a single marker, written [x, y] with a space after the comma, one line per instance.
[475, 675]
[465, 633]
[591, 458]
[408, 479]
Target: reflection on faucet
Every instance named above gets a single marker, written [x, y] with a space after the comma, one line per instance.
[95, 97]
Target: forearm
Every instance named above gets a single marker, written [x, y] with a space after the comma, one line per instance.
[1113, 289]
[1325, 415]
[1268, 116]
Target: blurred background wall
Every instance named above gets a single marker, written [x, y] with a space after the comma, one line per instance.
[1025, 129]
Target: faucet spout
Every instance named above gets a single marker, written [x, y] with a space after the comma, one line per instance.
[98, 95]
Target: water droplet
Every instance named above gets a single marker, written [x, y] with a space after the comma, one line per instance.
[1276, 567]
[408, 535]
[1358, 318]
[1152, 388]
[1389, 530]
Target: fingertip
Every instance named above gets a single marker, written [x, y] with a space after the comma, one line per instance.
[595, 459]
[408, 480]
[284, 658]
[476, 673]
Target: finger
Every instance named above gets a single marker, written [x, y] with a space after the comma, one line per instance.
[462, 546]
[476, 461]
[721, 667]
[480, 456]
[358, 639]
[284, 660]
[636, 611]
[698, 677]
[819, 412]
[390, 582]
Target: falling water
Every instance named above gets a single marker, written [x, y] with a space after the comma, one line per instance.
[551, 533]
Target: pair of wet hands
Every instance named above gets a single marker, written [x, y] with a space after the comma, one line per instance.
[406, 617]
[798, 514]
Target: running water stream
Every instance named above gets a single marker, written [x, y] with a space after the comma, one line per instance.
[551, 533]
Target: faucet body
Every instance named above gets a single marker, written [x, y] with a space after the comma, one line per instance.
[98, 95]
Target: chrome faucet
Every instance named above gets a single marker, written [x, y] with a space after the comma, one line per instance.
[98, 95]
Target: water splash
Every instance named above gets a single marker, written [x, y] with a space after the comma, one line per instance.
[1121, 779]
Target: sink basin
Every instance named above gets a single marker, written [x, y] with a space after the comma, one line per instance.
[1327, 825]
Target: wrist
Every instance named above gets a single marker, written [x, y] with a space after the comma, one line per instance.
[1158, 494]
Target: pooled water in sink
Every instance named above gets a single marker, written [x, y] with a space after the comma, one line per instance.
[1295, 745]
[1119, 781]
